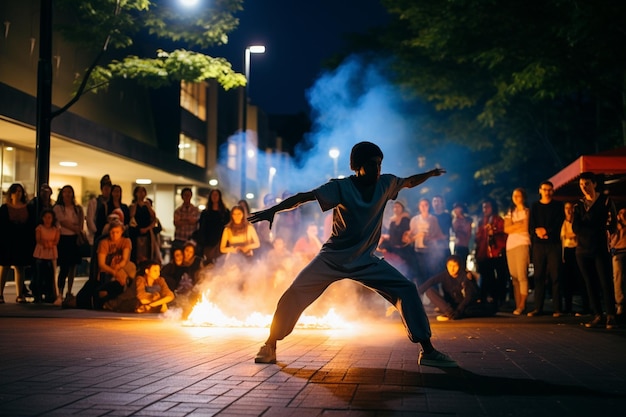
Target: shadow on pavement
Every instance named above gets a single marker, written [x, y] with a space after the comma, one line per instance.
[364, 386]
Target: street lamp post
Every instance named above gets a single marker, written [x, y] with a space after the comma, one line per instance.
[44, 95]
[254, 49]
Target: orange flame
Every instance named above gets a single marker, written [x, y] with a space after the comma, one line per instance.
[206, 313]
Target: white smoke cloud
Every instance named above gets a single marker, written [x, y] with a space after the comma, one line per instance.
[352, 103]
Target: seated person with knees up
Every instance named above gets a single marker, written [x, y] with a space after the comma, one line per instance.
[115, 270]
[153, 294]
[174, 271]
[460, 293]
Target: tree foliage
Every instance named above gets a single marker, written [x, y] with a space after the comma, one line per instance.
[116, 30]
[528, 85]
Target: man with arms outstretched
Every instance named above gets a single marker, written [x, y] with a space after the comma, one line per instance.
[358, 203]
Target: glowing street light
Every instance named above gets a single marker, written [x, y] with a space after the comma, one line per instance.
[254, 49]
[334, 154]
[272, 173]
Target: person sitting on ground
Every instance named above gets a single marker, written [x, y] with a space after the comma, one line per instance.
[192, 262]
[153, 293]
[174, 271]
[358, 203]
[461, 295]
[239, 236]
[115, 270]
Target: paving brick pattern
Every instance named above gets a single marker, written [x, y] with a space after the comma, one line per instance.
[57, 362]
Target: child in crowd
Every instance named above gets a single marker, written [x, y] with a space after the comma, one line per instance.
[47, 235]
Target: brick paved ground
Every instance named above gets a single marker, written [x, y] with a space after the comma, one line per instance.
[57, 362]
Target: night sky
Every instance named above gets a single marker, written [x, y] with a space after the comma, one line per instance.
[298, 37]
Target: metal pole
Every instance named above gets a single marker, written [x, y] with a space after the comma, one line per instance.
[244, 124]
[44, 95]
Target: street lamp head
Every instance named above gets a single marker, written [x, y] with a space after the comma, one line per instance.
[333, 153]
[256, 49]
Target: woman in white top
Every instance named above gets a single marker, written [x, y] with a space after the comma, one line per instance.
[518, 248]
[239, 235]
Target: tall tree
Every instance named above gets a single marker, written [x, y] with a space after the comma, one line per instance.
[529, 85]
[115, 31]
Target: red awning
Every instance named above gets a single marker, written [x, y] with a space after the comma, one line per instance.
[610, 163]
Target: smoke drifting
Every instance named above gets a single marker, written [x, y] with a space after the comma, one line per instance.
[353, 103]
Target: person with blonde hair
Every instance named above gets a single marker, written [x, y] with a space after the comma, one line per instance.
[518, 248]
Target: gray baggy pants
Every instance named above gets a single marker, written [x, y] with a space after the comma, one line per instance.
[379, 276]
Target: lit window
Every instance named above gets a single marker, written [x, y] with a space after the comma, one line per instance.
[191, 150]
[193, 98]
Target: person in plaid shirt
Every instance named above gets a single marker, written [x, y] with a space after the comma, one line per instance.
[185, 219]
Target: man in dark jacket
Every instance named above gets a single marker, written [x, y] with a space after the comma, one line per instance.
[594, 219]
[544, 224]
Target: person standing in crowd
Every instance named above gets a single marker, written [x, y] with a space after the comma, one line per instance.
[47, 236]
[490, 254]
[544, 226]
[71, 220]
[571, 277]
[393, 244]
[358, 203]
[462, 229]
[142, 221]
[17, 241]
[444, 219]
[155, 236]
[594, 217]
[211, 225]
[262, 230]
[518, 248]
[107, 207]
[42, 201]
[461, 295]
[425, 235]
[309, 245]
[289, 224]
[618, 254]
[94, 203]
[186, 218]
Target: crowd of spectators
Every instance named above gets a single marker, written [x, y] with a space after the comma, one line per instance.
[571, 253]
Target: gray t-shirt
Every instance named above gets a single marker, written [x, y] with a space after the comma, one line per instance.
[356, 222]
